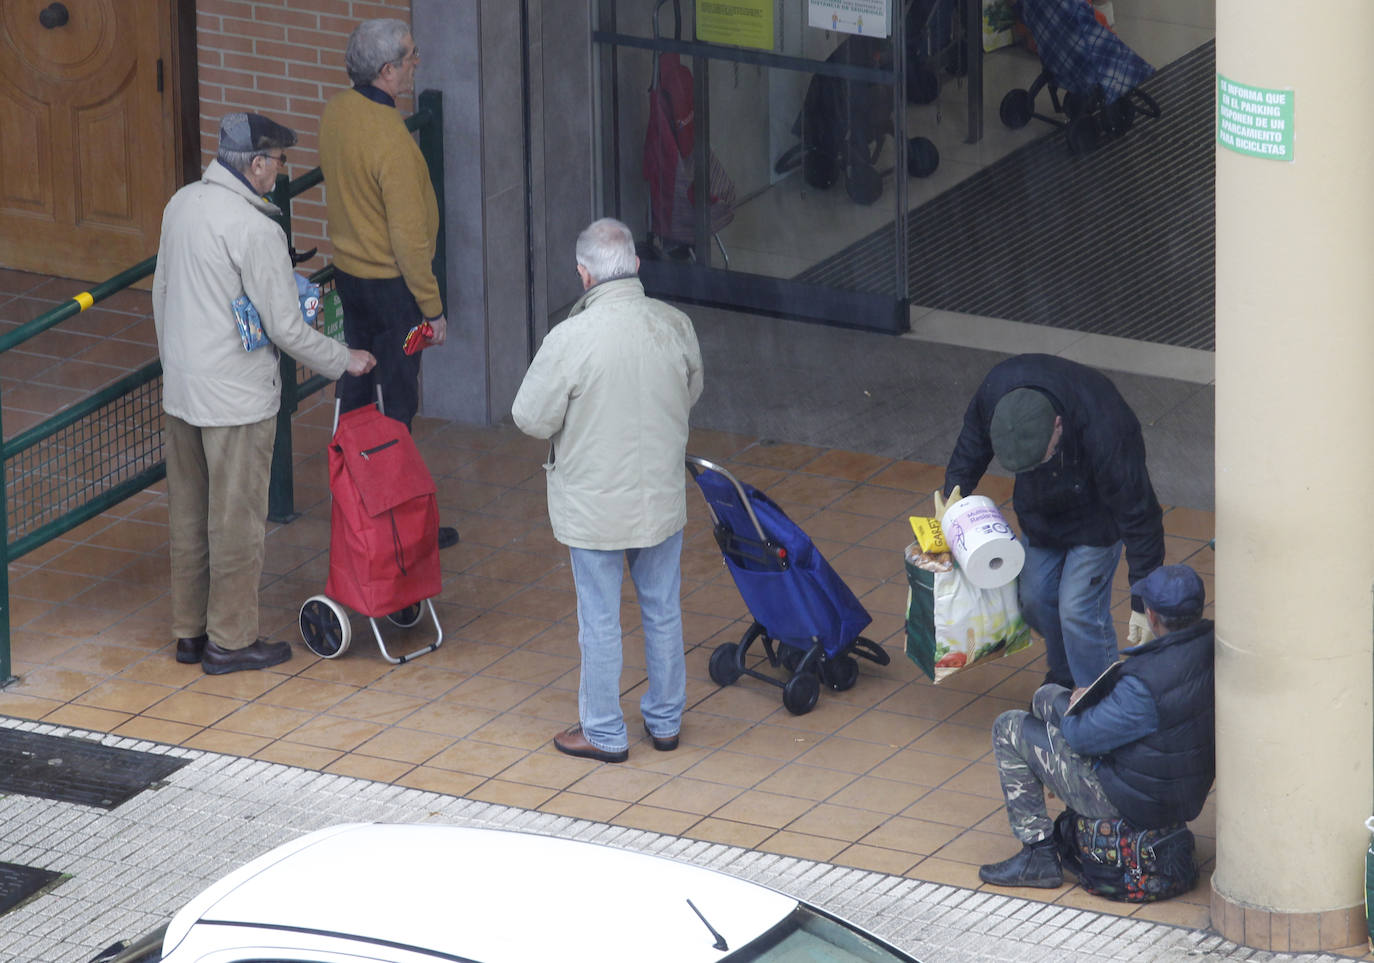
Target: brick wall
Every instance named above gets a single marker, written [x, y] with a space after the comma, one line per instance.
[283, 58]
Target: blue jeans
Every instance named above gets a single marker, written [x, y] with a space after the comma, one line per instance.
[1066, 596]
[657, 574]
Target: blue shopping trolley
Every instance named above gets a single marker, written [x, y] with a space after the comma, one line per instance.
[796, 598]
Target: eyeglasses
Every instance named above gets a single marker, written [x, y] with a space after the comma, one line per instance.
[279, 158]
[411, 57]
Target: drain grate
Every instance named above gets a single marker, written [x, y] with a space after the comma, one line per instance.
[18, 883]
[68, 769]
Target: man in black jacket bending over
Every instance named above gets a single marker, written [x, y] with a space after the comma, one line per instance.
[1082, 491]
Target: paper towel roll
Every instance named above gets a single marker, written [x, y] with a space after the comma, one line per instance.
[982, 542]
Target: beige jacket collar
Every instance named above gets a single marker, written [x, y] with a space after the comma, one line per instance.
[612, 289]
[221, 176]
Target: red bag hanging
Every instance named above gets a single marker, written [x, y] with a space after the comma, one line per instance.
[383, 537]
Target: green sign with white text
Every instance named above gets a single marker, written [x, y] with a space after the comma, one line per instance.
[1255, 120]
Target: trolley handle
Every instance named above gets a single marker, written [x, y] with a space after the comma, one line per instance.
[696, 465]
[677, 35]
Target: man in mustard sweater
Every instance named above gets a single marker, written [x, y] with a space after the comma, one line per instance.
[383, 221]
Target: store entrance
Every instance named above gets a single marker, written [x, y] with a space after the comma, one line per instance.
[792, 164]
[747, 150]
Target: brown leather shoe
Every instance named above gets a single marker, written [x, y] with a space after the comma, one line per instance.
[661, 743]
[260, 655]
[189, 651]
[574, 743]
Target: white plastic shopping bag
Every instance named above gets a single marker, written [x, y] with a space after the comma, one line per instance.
[952, 624]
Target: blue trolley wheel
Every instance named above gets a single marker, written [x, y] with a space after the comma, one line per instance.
[724, 666]
[840, 673]
[800, 694]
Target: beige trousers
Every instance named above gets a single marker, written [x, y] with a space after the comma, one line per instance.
[217, 482]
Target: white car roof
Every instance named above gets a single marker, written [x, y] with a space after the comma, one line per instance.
[489, 895]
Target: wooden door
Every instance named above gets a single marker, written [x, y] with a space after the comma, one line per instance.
[88, 139]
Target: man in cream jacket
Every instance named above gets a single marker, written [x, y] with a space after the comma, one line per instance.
[220, 400]
[611, 388]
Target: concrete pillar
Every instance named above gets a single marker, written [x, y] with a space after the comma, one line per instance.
[1294, 464]
[518, 186]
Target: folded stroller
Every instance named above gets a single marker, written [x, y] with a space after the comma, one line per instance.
[794, 595]
[383, 536]
[1098, 73]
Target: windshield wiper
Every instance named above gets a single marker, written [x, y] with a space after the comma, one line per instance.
[720, 940]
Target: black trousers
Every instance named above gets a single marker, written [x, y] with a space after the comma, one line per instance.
[377, 313]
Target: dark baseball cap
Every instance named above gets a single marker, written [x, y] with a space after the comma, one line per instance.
[253, 132]
[1022, 424]
[1173, 591]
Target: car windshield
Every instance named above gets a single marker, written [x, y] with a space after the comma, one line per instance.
[809, 936]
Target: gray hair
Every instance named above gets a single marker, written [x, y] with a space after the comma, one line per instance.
[606, 248]
[372, 45]
[239, 160]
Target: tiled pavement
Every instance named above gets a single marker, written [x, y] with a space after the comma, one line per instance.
[128, 869]
[894, 776]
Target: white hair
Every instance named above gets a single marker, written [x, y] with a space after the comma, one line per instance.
[372, 45]
[606, 248]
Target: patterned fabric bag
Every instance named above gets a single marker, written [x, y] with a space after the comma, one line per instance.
[1114, 859]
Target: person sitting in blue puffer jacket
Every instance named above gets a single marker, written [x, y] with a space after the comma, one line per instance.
[1138, 744]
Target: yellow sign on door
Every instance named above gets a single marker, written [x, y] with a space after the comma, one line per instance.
[740, 23]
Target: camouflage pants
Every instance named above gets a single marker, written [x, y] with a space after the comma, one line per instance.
[1032, 756]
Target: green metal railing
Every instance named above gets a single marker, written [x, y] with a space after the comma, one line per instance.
[108, 447]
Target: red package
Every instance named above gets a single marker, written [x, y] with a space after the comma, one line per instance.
[418, 338]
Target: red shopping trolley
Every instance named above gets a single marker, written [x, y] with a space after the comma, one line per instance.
[383, 536]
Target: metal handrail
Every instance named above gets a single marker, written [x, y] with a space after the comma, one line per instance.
[428, 121]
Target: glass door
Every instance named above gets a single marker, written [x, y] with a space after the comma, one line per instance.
[759, 154]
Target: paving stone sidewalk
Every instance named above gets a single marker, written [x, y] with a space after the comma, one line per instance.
[128, 869]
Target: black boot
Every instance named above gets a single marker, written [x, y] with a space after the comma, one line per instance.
[1036, 865]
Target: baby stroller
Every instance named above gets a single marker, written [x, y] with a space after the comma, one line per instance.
[668, 161]
[844, 124]
[383, 536]
[794, 595]
[1098, 73]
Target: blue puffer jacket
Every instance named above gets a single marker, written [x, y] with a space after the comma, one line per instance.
[1154, 732]
[1096, 489]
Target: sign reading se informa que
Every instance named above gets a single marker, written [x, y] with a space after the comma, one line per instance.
[870, 17]
[1255, 120]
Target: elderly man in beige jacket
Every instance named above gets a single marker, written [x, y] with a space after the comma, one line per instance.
[221, 400]
[611, 388]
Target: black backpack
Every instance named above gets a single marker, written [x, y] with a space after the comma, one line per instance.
[1114, 859]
